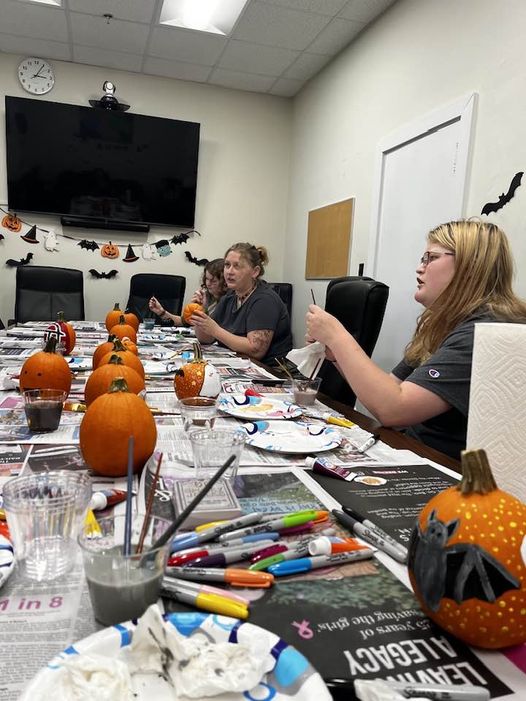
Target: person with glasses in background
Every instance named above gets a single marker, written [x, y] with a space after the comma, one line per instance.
[464, 277]
[213, 287]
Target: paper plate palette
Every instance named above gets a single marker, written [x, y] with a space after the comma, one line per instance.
[291, 677]
[250, 407]
[295, 438]
[7, 559]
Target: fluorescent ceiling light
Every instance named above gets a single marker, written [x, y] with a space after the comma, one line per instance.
[215, 16]
[54, 3]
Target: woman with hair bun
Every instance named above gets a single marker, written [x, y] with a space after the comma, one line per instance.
[251, 318]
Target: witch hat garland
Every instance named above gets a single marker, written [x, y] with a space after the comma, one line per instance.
[130, 255]
[31, 235]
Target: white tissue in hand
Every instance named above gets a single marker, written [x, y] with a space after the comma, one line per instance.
[307, 359]
[90, 676]
[194, 666]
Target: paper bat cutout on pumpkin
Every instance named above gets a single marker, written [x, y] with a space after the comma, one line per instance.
[17, 263]
[88, 245]
[95, 273]
[461, 571]
[193, 259]
[505, 197]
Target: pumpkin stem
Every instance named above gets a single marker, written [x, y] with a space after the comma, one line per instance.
[111, 338]
[116, 308]
[122, 320]
[477, 477]
[118, 384]
[115, 360]
[60, 316]
[118, 345]
[51, 344]
[198, 353]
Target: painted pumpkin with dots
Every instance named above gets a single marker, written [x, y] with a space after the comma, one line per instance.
[467, 559]
[197, 378]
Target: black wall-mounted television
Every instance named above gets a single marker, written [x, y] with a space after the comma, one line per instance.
[98, 167]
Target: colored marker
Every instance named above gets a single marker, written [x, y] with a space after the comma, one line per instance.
[197, 588]
[374, 527]
[288, 521]
[330, 546]
[441, 692]
[206, 602]
[230, 575]
[368, 535]
[183, 556]
[306, 564]
[193, 538]
[224, 558]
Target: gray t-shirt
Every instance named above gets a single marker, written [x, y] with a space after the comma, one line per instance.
[264, 310]
[446, 373]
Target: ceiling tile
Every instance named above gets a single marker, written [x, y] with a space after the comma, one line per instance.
[320, 7]
[107, 59]
[275, 26]
[176, 69]
[35, 47]
[240, 81]
[254, 58]
[306, 65]
[335, 36]
[184, 45]
[134, 10]
[364, 10]
[118, 35]
[286, 87]
[21, 19]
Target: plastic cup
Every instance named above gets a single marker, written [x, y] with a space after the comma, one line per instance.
[213, 448]
[198, 412]
[43, 409]
[305, 390]
[148, 324]
[45, 513]
[122, 586]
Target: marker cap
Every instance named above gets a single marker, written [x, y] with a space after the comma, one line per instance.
[320, 546]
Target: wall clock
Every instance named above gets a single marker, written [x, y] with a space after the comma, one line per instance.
[36, 76]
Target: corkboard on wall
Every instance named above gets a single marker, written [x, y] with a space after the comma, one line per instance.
[329, 238]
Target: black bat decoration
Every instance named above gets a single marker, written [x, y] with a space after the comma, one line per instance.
[505, 197]
[17, 263]
[95, 273]
[461, 571]
[193, 259]
[88, 245]
[180, 238]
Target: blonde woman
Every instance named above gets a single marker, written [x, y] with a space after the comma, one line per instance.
[464, 277]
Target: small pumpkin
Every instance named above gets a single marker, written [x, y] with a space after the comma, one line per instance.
[113, 317]
[101, 350]
[130, 345]
[128, 358]
[63, 332]
[46, 369]
[122, 330]
[12, 222]
[132, 320]
[466, 559]
[198, 378]
[190, 309]
[109, 250]
[100, 379]
[106, 427]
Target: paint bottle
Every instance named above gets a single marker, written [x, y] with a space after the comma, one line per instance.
[326, 467]
[106, 497]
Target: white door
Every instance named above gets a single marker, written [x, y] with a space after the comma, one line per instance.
[421, 175]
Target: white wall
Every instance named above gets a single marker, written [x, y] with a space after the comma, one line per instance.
[242, 183]
[419, 55]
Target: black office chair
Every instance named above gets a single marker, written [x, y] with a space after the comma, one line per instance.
[359, 303]
[43, 290]
[284, 290]
[168, 289]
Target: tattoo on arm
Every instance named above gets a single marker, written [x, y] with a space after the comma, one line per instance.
[260, 341]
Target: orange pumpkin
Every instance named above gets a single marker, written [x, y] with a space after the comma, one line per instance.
[46, 370]
[466, 563]
[109, 250]
[113, 317]
[130, 345]
[106, 427]
[63, 332]
[12, 222]
[189, 309]
[131, 319]
[122, 329]
[100, 379]
[101, 350]
[128, 358]
[198, 378]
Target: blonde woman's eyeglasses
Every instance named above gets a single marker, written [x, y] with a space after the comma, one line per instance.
[430, 256]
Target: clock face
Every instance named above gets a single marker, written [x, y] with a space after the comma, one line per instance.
[36, 76]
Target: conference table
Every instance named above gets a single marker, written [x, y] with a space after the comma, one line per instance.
[356, 621]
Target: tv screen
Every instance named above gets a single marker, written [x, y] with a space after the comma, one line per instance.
[101, 164]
